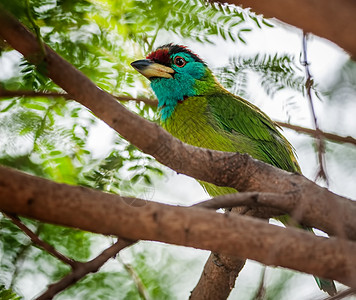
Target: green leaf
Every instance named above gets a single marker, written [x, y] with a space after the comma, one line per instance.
[8, 294]
[7, 108]
[133, 168]
[135, 178]
[34, 106]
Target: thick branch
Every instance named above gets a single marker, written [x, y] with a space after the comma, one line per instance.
[234, 235]
[144, 143]
[218, 277]
[253, 175]
[333, 20]
[220, 272]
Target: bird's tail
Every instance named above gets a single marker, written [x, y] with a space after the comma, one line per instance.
[326, 285]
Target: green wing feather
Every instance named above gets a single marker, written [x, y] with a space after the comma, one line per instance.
[236, 115]
[240, 117]
[215, 119]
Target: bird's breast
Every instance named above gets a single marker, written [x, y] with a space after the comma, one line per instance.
[192, 123]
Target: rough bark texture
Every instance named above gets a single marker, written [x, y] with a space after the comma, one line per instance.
[229, 235]
[220, 272]
[133, 219]
[236, 170]
[333, 20]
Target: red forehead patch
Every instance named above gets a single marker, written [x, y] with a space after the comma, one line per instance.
[160, 55]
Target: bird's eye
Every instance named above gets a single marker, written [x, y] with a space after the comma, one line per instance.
[180, 61]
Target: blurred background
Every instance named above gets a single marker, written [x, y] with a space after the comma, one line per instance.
[55, 138]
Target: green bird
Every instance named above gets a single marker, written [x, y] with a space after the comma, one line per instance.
[199, 111]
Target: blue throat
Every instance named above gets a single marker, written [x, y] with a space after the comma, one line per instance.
[171, 91]
[169, 94]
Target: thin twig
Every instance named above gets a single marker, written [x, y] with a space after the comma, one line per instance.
[249, 199]
[137, 280]
[326, 135]
[36, 28]
[150, 102]
[261, 292]
[42, 244]
[153, 102]
[21, 256]
[34, 94]
[342, 294]
[83, 269]
[319, 138]
[150, 45]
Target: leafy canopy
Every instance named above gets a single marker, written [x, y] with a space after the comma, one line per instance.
[52, 137]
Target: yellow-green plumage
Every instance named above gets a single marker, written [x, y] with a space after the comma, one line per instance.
[196, 109]
[199, 121]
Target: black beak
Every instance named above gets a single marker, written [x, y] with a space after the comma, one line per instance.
[141, 64]
[149, 69]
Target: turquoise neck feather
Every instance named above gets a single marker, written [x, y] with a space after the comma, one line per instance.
[194, 80]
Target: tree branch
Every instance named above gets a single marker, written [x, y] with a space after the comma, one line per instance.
[135, 219]
[218, 277]
[141, 289]
[318, 138]
[312, 16]
[249, 199]
[342, 294]
[261, 292]
[329, 136]
[153, 102]
[37, 241]
[83, 269]
[252, 175]
[220, 272]
[35, 94]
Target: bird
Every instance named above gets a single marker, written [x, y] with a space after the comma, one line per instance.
[198, 110]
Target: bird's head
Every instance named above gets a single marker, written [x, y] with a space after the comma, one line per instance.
[175, 73]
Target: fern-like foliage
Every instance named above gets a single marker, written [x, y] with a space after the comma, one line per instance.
[7, 294]
[51, 137]
[203, 20]
[276, 72]
[124, 171]
[197, 20]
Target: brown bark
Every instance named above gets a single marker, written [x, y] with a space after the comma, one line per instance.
[83, 269]
[326, 135]
[333, 20]
[233, 235]
[253, 175]
[313, 201]
[42, 244]
[220, 272]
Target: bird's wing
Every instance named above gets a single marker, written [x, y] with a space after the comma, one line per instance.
[235, 114]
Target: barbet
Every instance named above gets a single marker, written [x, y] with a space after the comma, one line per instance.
[196, 109]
